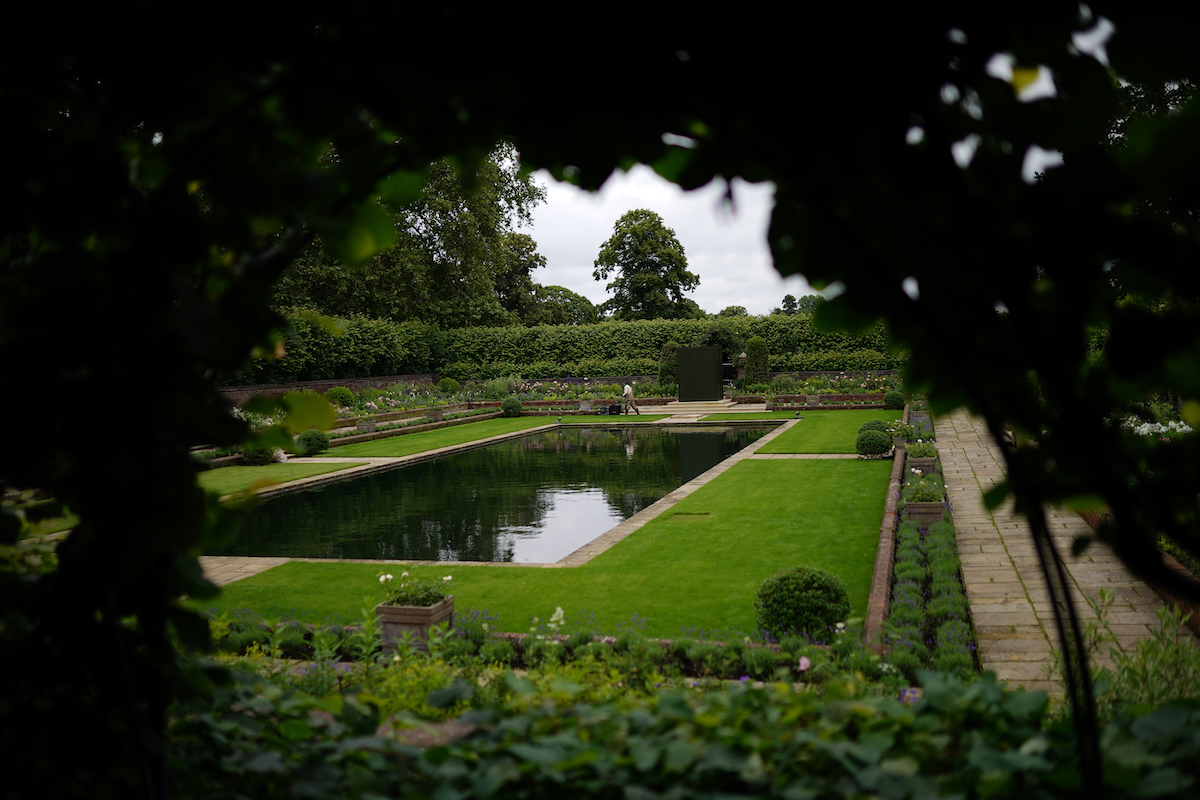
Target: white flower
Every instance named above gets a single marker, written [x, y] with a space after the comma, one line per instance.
[403, 574]
[841, 626]
[447, 578]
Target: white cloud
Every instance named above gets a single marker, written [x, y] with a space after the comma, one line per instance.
[726, 248]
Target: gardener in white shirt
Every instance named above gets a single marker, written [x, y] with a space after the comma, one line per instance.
[629, 401]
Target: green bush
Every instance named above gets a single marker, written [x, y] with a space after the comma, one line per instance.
[802, 600]
[313, 442]
[510, 407]
[340, 396]
[756, 360]
[873, 425]
[893, 400]
[872, 443]
[448, 386]
[257, 456]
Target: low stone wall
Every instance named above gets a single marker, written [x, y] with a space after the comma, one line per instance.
[879, 597]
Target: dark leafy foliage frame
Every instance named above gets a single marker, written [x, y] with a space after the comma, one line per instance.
[163, 171]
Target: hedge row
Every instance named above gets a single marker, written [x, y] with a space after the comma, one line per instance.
[645, 339]
[542, 370]
[360, 347]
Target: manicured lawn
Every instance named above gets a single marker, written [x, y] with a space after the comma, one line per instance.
[825, 431]
[697, 566]
[397, 446]
[228, 480]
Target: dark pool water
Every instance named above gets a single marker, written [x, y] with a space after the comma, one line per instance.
[533, 499]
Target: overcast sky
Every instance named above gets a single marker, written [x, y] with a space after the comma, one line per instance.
[728, 250]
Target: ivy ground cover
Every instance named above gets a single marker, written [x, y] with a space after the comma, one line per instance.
[822, 431]
[696, 567]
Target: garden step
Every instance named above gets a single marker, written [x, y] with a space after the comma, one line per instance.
[707, 406]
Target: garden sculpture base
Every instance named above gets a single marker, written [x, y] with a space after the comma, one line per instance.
[412, 622]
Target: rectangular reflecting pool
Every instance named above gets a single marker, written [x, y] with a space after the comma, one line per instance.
[534, 499]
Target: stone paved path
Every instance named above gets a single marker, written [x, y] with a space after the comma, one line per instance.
[1014, 622]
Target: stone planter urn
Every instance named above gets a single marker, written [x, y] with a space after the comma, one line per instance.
[925, 514]
[926, 465]
[396, 621]
[366, 426]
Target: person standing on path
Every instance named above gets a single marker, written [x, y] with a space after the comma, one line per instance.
[629, 401]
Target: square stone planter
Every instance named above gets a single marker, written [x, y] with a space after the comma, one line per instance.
[925, 514]
[926, 465]
[367, 426]
[434, 414]
[812, 399]
[396, 621]
[585, 405]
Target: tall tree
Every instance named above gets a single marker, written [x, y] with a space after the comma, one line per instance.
[557, 305]
[456, 260]
[650, 269]
[515, 287]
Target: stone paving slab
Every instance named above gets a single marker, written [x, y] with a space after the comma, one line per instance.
[1010, 603]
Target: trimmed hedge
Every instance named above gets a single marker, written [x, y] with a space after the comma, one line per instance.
[360, 347]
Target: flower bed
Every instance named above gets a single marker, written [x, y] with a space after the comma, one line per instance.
[929, 623]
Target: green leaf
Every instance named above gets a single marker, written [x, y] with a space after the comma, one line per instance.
[295, 729]
[1167, 781]
[370, 230]
[995, 496]
[402, 188]
[457, 692]
[307, 411]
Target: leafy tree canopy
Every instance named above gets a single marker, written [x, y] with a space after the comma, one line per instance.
[805, 305]
[556, 305]
[649, 268]
[456, 261]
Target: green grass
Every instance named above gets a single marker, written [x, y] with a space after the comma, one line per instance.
[228, 480]
[699, 565]
[825, 431]
[397, 446]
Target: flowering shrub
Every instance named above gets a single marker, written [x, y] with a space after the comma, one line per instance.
[921, 487]
[922, 449]
[411, 591]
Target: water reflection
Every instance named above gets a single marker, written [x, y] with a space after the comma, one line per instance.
[533, 499]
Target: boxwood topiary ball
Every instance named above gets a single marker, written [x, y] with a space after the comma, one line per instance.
[256, 456]
[313, 442]
[510, 407]
[802, 600]
[893, 399]
[873, 425]
[873, 443]
[448, 386]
